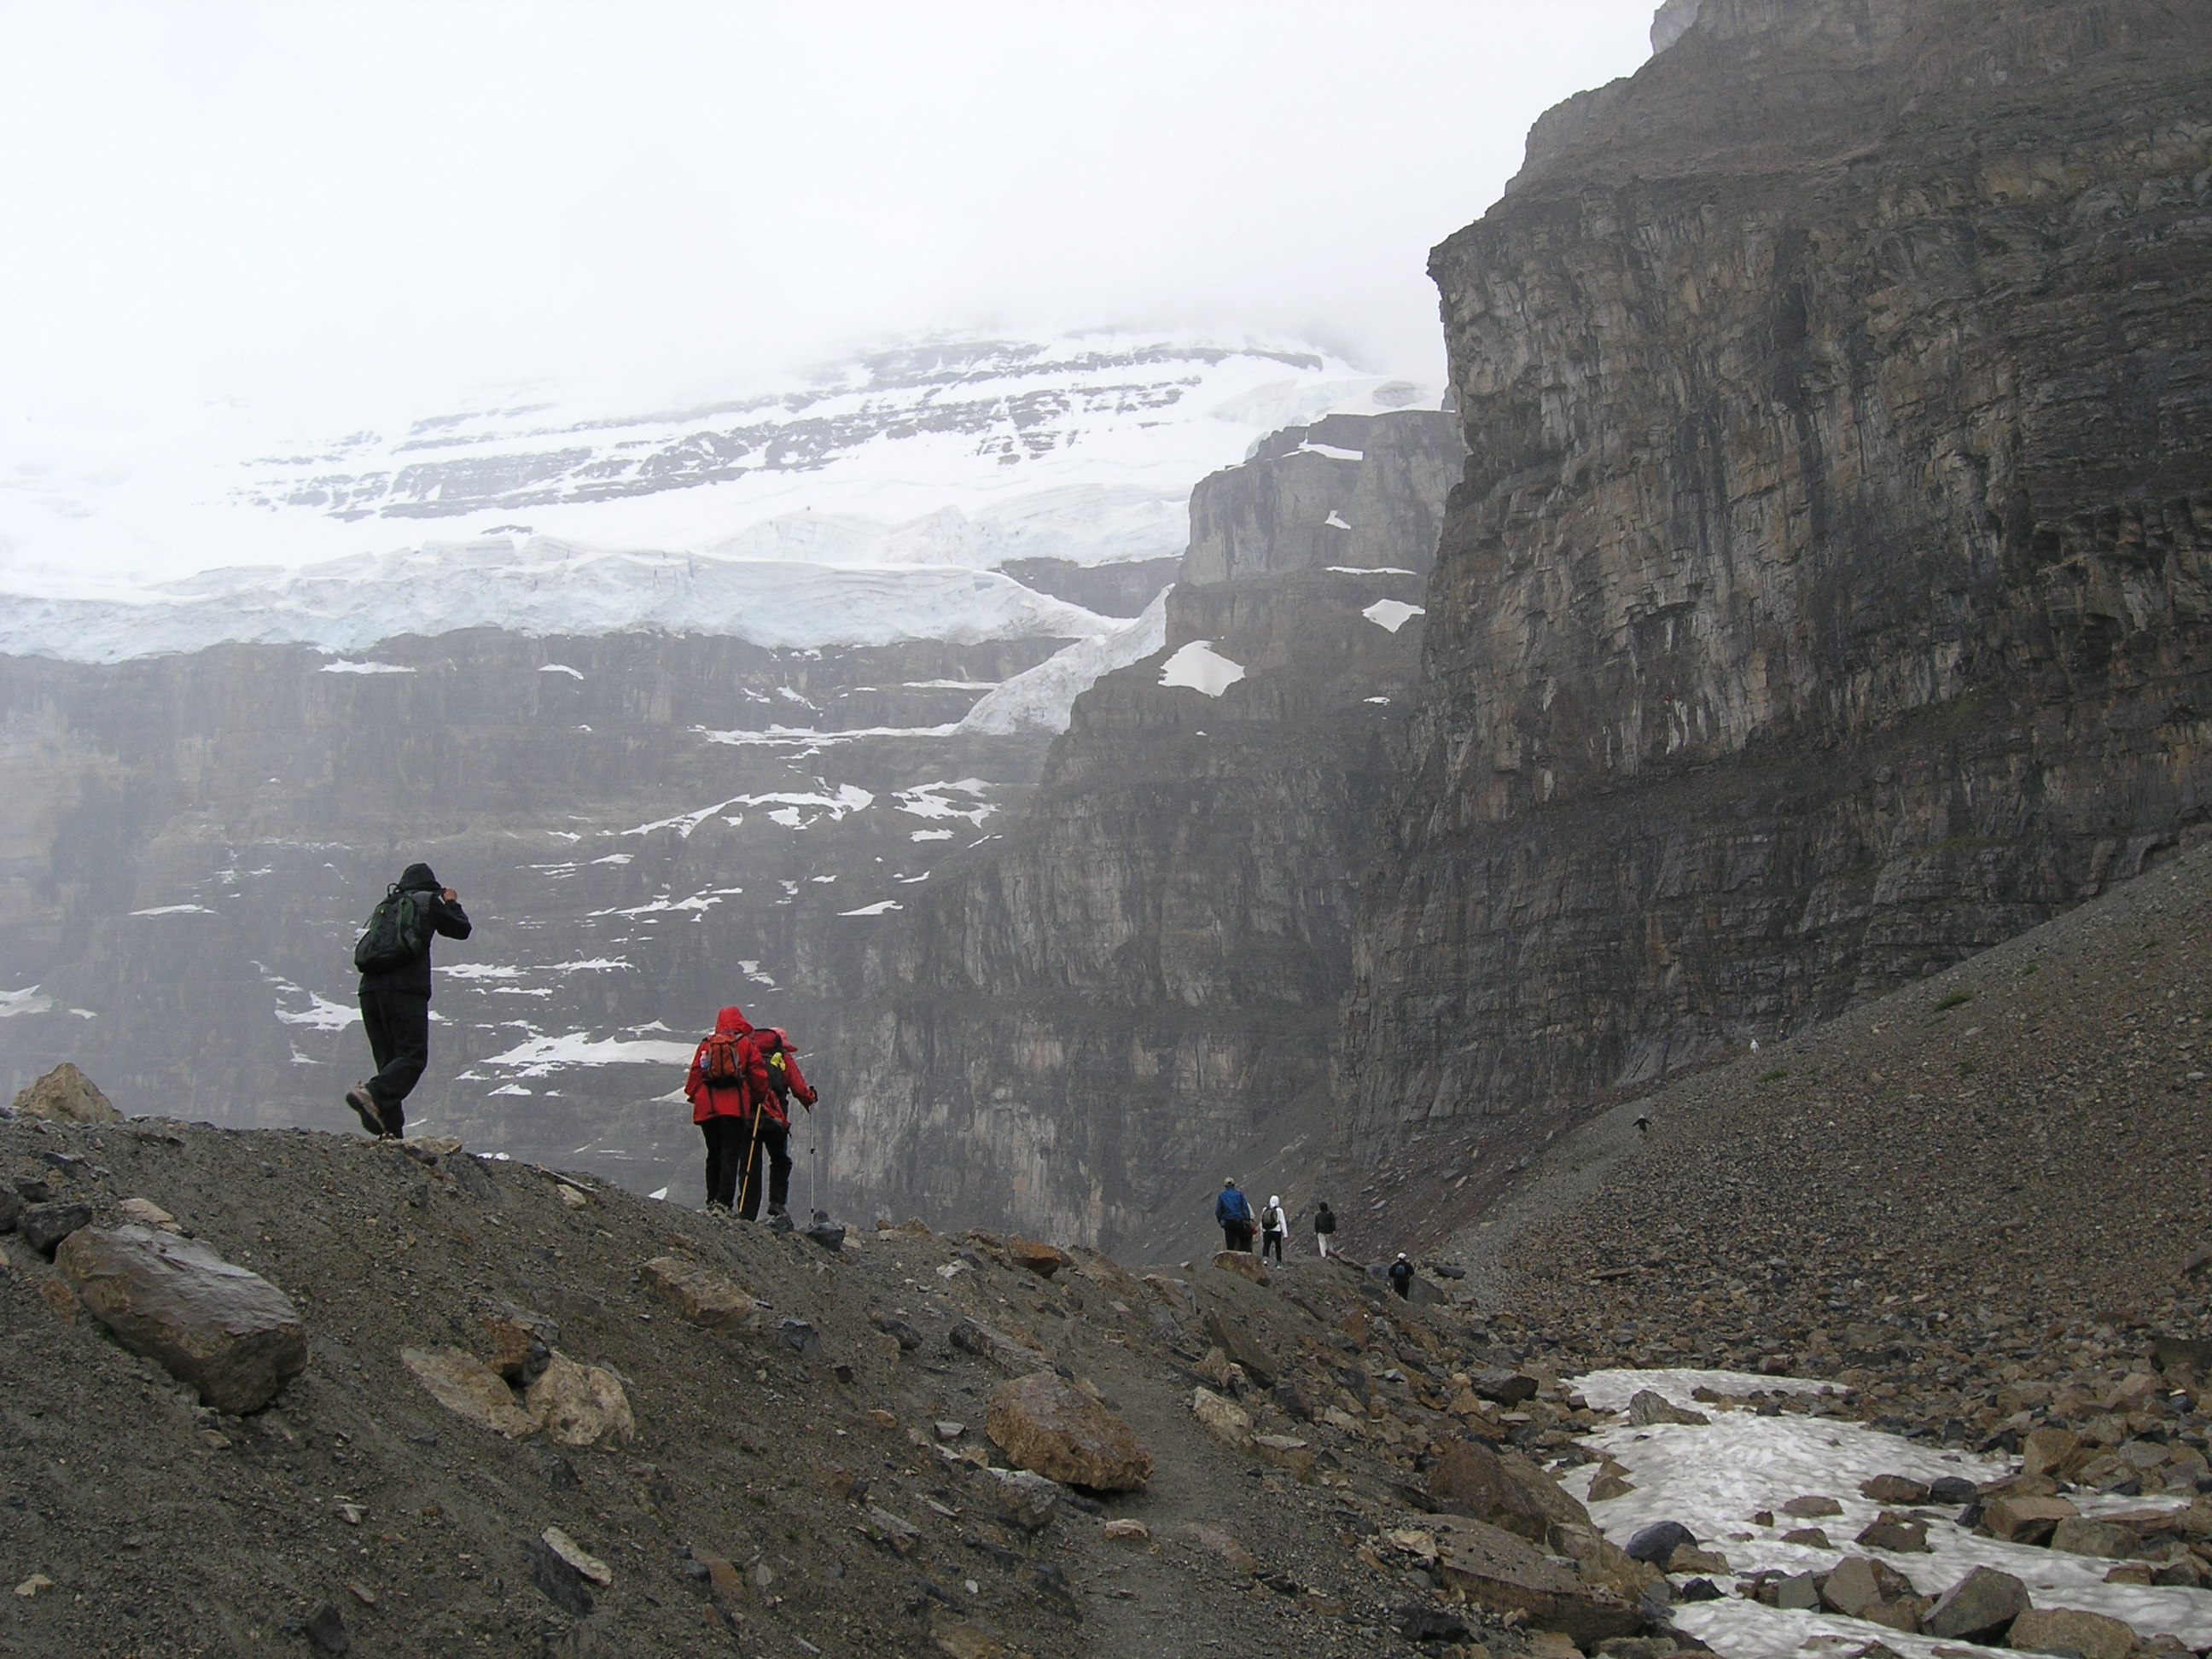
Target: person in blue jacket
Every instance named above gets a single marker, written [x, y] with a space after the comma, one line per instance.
[1234, 1213]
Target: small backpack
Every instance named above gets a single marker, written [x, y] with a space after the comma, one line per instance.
[779, 1070]
[723, 1060]
[398, 931]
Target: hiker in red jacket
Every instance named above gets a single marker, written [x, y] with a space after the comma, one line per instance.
[740, 1084]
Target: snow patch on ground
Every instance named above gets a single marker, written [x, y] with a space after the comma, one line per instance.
[344, 667]
[542, 1056]
[175, 910]
[560, 668]
[28, 1000]
[1335, 520]
[1371, 570]
[1042, 698]
[1712, 1477]
[1391, 614]
[1199, 666]
[880, 907]
[847, 798]
[928, 800]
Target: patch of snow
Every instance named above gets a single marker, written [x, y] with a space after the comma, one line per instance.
[84, 1014]
[1200, 668]
[561, 668]
[1371, 570]
[950, 685]
[25, 1001]
[539, 1056]
[1332, 452]
[751, 970]
[927, 800]
[1042, 698]
[881, 907]
[342, 666]
[175, 910]
[321, 1014]
[613, 858]
[590, 965]
[508, 1089]
[477, 970]
[775, 736]
[931, 834]
[1391, 614]
[1385, 701]
[1335, 520]
[659, 1193]
[848, 798]
[1711, 1479]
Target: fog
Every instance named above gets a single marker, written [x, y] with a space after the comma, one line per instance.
[330, 210]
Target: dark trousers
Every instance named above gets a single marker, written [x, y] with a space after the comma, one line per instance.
[773, 1146]
[726, 1156]
[1237, 1235]
[398, 1027]
[1271, 1241]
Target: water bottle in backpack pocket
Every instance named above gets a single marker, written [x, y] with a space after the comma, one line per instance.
[398, 931]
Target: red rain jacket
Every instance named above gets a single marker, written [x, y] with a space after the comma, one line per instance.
[776, 1109]
[727, 1100]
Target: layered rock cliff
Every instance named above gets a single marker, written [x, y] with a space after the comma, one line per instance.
[1827, 596]
[1144, 978]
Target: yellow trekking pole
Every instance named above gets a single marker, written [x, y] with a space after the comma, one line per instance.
[752, 1156]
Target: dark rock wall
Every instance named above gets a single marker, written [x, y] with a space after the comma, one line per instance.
[1146, 976]
[1826, 598]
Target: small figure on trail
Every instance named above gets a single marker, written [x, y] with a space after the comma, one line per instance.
[740, 1083]
[1643, 1127]
[393, 955]
[1402, 1277]
[1272, 1224]
[1233, 1213]
[1324, 1228]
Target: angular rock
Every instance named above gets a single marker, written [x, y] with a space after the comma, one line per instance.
[1043, 1260]
[1859, 1585]
[1694, 1557]
[1026, 1498]
[469, 1388]
[144, 1212]
[1810, 1537]
[2048, 1451]
[1286, 1452]
[2023, 1520]
[228, 1333]
[2063, 1630]
[1953, 1489]
[2079, 1535]
[1420, 1624]
[899, 1331]
[1221, 1419]
[44, 1226]
[521, 1345]
[66, 1095]
[1495, 1570]
[587, 1565]
[1898, 1533]
[1893, 1489]
[1243, 1264]
[1015, 1359]
[1223, 1545]
[1648, 1406]
[561, 1584]
[1797, 1592]
[1126, 1529]
[1811, 1507]
[326, 1629]
[579, 1404]
[1506, 1490]
[1502, 1387]
[1657, 1542]
[701, 1296]
[1979, 1607]
[1056, 1430]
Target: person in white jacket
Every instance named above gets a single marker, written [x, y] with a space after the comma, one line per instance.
[1274, 1224]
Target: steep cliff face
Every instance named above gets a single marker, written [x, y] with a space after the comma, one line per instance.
[1826, 599]
[1145, 976]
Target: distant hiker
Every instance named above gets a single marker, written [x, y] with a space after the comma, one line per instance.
[393, 955]
[1272, 1224]
[1642, 1127]
[1234, 1213]
[1324, 1228]
[740, 1085]
[1402, 1277]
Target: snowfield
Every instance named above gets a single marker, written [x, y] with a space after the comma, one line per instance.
[1712, 1479]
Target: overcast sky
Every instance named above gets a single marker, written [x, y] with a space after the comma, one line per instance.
[316, 207]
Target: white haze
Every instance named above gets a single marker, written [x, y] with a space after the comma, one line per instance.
[334, 215]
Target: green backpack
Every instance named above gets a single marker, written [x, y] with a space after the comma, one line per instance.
[398, 931]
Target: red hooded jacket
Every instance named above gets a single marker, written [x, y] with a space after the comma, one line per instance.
[727, 1100]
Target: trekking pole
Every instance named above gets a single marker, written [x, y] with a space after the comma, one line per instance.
[813, 1166]
[752, 1156]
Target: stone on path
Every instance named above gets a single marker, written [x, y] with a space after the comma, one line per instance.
[1224, 1420]
[1495, 1570]
[1893, 1489]
[1043, 1260]
[1900, 1533]
[1026, 1498]
[701, 1295]
[1502, 1387]
[579, 1404]
[469, 1388]
[1811, 1507]
[1979, 1607]
[2021, 1520]
[66, 1095]
[1056, 1430]
[44, 1226]
[1649, 1406]
[227, 1332]
[1243, 1264]
[2063, 1630]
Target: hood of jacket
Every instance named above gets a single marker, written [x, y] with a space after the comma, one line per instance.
[733, 1019]
[416, 877]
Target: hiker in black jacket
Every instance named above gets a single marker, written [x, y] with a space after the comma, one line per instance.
[395, 1009]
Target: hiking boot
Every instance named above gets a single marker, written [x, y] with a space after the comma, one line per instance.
[364, 1107]
[775, 1210]
[779, 1221]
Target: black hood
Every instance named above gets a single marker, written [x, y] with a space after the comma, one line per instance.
[416, 876]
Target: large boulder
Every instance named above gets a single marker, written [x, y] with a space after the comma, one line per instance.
[227, 1332]
[1979, 1607]
[469, 1388]
[1496, 1570]
[1056, 1430]
[703, 1296]
[2065, 1629]
[66, 1094]
[579, 1404]
[1043, 1260]
[44, 1226]
[1506, 1490]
